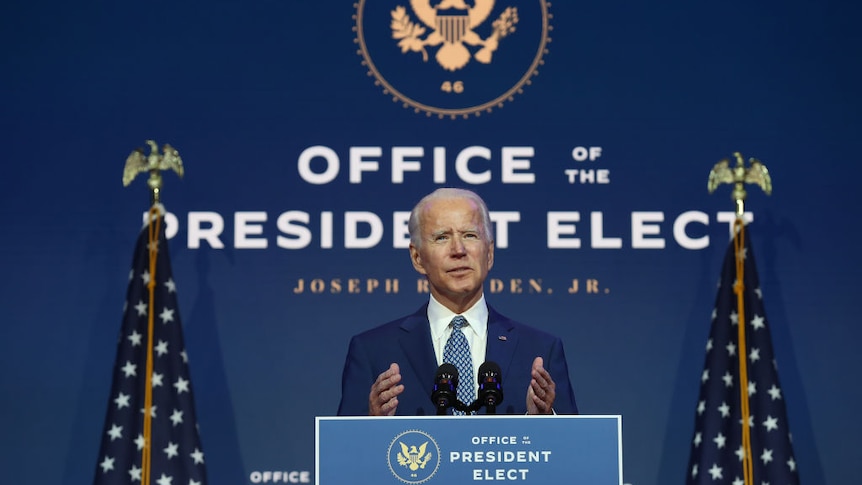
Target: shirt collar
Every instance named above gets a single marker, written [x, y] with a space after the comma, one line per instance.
[439, 317]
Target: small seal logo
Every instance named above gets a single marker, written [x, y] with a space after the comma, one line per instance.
[410, 457]
[448, 57]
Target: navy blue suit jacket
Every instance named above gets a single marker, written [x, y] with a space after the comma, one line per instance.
[407, 342]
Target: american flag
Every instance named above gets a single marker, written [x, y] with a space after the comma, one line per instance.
[176, 454]
[717, 448]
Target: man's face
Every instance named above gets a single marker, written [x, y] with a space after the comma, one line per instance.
[454, 254]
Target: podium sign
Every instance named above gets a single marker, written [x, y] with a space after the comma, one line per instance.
[455, 450]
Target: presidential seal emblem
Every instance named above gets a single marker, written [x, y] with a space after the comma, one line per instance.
[452, 58]
[413, 457]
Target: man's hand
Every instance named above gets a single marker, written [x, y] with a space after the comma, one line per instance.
[383, 400]
[542, 390]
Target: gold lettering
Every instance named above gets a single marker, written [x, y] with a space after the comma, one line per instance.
[353, 285]
[335, 286]
[300, 286]
[317, 285]
[391, 285]
[495, 285]
[574, 288]
[592, 286]
[515, 285]
[535, 285]
[371, 285]
[422, 286]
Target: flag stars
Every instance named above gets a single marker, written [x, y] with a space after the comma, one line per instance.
[698, 438]
[771, 423]
[171, 286]
[167, 315]
[759, 293]
[752, 388]
[129, 369]
[145, 277]
[157, 379]
[141, 308]
[140, 442]
[774, 392]
[791, 463]
[135, 338]
[720, 441]
[766, 456]
[754, 355]
[728, 379]
[135, 473]
[171, 450]
[740, 453]
[738, 481]
[758, 322]
[694, 471]
[152, 411]
[709, 344]
[177, 417]
[116, 432]
[164, 480]
[161, 348]
[122, 400]
[705, 376]
[734, 318]
[731, 348]
[107, 464]
[197, 456]
[181, 385]
[724, 409]
[701, 407]
[716, 472]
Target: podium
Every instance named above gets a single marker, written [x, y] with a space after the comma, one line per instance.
[456, 450]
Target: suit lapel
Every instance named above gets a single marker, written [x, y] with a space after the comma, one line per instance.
[502, 340]
[416, 343]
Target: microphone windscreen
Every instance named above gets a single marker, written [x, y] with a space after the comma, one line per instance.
[489, 368]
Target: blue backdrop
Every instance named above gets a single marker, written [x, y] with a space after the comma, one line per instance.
[306, 129]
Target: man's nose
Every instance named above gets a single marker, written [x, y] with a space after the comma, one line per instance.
[457, 247]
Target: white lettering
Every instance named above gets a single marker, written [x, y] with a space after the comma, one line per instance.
[511, 162]
[351, 232]
[462, 165]
[196, 233]
[244, 227]
[557, 229]
[680, 235]
[401, 164]
[641, 228]
[359, 164]
[317, 151]
[597, 239]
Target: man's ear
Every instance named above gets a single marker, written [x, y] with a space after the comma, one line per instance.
[416, 259]
[490, 255]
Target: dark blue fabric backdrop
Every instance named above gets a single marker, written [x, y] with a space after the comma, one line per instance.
[243, 89]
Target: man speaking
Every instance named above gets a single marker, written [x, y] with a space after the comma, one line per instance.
[391, 369]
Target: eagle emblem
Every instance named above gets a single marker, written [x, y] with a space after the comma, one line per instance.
[739, 175]
[413, 458]
[138, 162]
[451, 24]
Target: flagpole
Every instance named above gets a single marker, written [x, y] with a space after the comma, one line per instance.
[153, 163]
[739, 175]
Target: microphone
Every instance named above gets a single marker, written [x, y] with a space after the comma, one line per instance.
[490, 386]
[445, 385]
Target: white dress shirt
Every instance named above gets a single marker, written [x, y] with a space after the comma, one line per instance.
[476, 331]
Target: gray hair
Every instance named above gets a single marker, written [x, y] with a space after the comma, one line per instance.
[447, 193]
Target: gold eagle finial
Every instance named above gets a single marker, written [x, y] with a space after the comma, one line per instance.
[739, 175]
[137, 162]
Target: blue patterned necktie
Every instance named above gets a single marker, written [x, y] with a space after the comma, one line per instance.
[457, 353]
